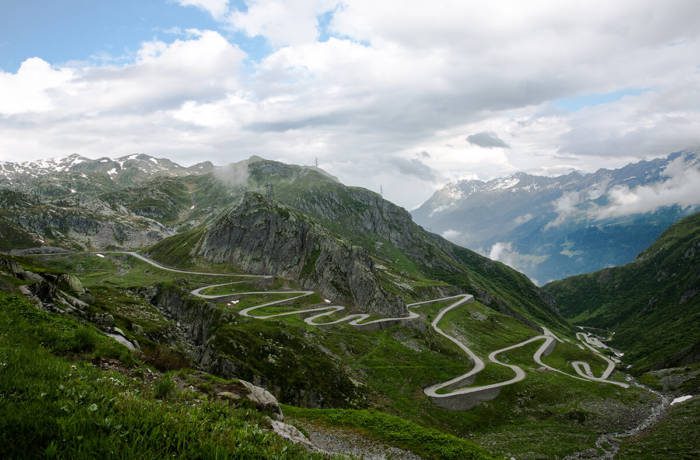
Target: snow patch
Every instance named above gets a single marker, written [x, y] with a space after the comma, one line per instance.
[506, 183]
[453, 192]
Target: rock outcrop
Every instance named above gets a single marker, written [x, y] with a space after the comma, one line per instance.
[261, 236]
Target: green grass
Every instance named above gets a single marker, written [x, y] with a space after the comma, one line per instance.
[251, 300]
[565, 353]
[484, 329]
[175, 251]
[386, 369]
[246, 285]
[117, 270]
[55, 403]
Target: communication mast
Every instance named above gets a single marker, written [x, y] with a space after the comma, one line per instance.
[268, 192]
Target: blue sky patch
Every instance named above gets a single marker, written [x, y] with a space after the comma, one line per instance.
[575, 103]
[89, 30]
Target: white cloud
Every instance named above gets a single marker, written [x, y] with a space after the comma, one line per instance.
[395, 79]
[162, 75]
[504, 252]
[282, 22]
[217, 8]
[568, 250]
[29, 90]
[522, 219]
[681, 187]
[452, 235]
[566, 207]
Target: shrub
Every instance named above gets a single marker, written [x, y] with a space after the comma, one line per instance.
[164, 388]
[83, 340]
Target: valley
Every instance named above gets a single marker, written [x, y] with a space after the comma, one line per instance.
[350, 230]
[402, 347]
[331, 299]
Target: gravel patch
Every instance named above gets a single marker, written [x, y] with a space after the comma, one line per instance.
[354, 445]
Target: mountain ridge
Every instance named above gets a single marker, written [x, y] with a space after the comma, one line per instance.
[552, 227]
[140, 207]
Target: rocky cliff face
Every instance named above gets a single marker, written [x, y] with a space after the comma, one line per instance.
[72, 221]
[259, 236]
[76, 227]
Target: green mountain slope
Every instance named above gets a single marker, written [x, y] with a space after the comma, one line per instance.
[344, 377]
[415, 257]
[410, 262]
[652, 304]
[69, 391]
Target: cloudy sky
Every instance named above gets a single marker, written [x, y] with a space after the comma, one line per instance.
[407, 94]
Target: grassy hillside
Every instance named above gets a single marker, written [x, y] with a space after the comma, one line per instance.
[312, 366]
[76, 393]
[414, 263]
[652, 305]
[71, 392]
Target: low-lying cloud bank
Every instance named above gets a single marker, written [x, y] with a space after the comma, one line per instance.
[681, 188]
[678, 186]
[504, 252]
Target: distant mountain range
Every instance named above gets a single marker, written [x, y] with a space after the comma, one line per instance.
[123, 170]
[554, 227]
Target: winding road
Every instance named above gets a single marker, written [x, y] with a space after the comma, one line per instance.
[457, 393]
